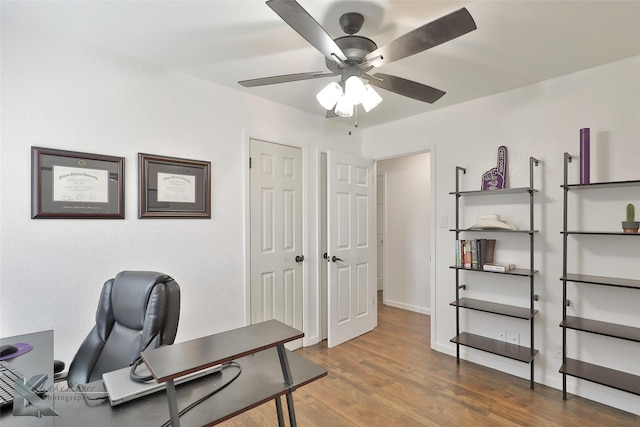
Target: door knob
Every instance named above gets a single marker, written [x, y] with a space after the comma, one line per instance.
[299, 258]
[335, 258]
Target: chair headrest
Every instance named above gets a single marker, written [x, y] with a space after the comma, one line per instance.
[130, 294]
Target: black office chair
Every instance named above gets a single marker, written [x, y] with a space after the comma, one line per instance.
[137, 310]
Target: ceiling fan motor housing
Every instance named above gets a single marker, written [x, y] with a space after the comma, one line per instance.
[351, 22]
[355, 48]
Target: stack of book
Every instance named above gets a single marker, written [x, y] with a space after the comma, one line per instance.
[500, 268]
[474, 254]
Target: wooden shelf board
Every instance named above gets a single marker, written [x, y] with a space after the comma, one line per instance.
[602, 280]
[601, 375]
[492, 230]
[611, 184]
[514, 272]
[602, 328]
[495, 308]
[501, 348]
[495, 192]
[600, 233]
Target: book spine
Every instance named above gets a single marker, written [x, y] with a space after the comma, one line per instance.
[483, 253]
[467, 254]
[474, 254]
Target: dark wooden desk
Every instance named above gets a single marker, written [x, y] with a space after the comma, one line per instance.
[36, 361]
[281, 371]
[261, 380]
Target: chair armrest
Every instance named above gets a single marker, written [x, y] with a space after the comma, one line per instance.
[60, 376]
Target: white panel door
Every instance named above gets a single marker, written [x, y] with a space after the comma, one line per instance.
[276, 233]
[352, 247]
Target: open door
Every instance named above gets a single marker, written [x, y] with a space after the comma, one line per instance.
[352, 247]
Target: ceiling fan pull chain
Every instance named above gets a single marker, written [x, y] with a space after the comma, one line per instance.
[354, 118]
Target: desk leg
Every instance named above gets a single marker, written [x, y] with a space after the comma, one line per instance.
[279, 411]
[286, 373]
[173, 404]
[292, 413]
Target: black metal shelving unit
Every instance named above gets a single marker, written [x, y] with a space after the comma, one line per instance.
[587, 371]
[520, 353]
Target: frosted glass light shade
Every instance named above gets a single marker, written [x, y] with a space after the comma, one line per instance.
[344, 107]
[371, 99]
[328, 96]
[355, 92]
[354, 89]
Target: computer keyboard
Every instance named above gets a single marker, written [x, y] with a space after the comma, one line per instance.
[8, 377]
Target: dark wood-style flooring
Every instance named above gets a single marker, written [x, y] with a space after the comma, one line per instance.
[391, 377]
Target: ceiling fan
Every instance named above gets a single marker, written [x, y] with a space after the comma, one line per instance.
[352, 57]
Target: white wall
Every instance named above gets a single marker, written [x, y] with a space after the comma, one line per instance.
[542, 120]
[407, 232]
[66, 96]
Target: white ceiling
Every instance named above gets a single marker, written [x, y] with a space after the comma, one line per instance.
[517, 43]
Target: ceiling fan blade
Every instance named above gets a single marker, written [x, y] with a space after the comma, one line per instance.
[300, 20]
[285, 78]
[405, 87]
[429, 35]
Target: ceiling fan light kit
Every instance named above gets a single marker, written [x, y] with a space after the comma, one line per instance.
[328, 97]
[371, 99]
[354, 89]
[344, 106]
[355, 92]
[351, 57]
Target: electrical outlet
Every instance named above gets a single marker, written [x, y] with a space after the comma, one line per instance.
[514, 338]
[502, 335]
[558, 352]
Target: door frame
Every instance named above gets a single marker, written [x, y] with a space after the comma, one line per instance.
[311, 160]
[246, 152]
[431, 149]
[382, 177]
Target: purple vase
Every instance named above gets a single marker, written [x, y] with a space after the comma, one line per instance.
[584, 156]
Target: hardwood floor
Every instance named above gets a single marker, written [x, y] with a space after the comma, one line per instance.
[391, 377]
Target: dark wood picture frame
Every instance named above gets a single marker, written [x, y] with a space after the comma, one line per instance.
[71, 184]
[172, 187]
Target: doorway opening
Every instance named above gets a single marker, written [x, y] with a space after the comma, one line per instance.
[404, 216]
[404, 231]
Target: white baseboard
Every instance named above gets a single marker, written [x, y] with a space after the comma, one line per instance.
[414, 308]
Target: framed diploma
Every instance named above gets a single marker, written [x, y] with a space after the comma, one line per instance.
[69, 184]
[171, 187]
